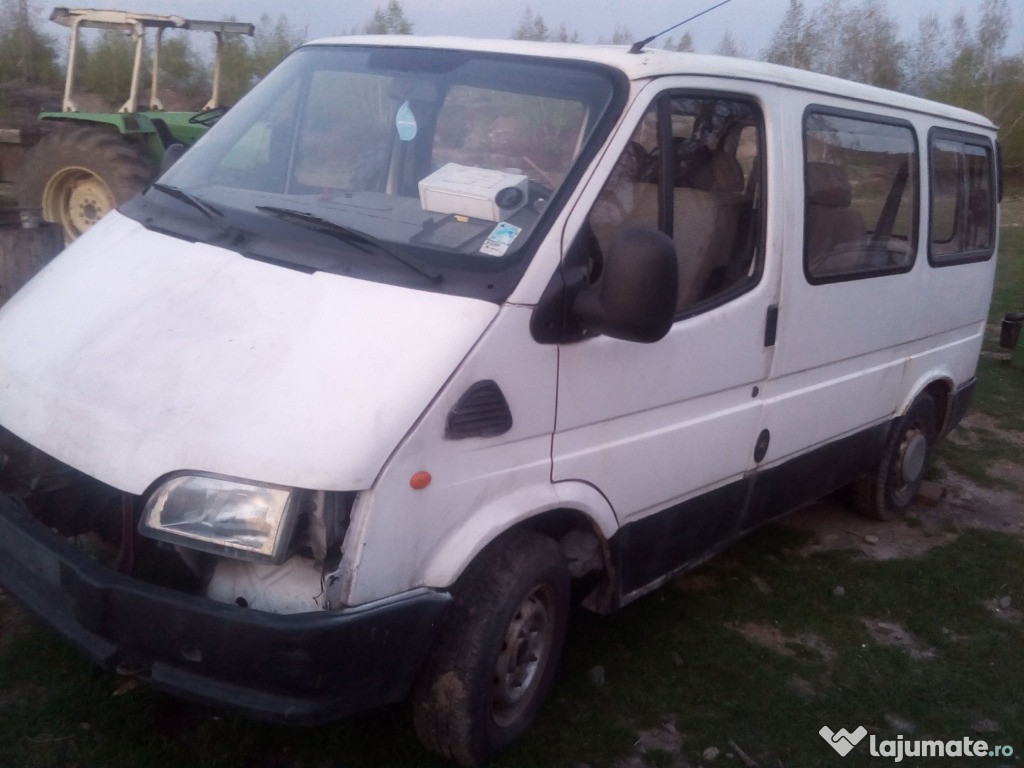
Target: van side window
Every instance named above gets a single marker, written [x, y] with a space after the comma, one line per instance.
[860, 196]
[692, 169]
[963, 199]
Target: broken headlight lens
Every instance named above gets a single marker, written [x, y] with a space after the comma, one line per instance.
[226, 517]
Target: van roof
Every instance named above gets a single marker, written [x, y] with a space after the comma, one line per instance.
[655, 62]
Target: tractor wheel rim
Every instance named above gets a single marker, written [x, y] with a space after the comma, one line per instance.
[76, 198]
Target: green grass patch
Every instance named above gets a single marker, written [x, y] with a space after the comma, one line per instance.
[764, 654]
[764, 662]
[973, 455]
[999, 395]
[1008, 295]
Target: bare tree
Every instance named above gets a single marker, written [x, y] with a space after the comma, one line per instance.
[564, 35]
[857, 42]
[390, 20]
[531, 27]
[622, 35]
[792, 43]
[685, 43]
[273, 41]
[928, 56]
[26, 54]
[728, 46]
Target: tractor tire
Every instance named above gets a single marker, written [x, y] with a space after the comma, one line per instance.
[79, 173]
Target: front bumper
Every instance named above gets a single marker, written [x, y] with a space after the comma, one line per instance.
[301, 668]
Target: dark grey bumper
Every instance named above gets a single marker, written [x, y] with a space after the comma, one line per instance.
[307, 667]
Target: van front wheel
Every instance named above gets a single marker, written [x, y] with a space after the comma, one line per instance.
[886, 493]
[497, 654]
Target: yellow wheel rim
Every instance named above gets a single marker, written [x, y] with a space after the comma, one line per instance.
[76, 198]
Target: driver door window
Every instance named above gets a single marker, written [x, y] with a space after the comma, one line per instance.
[692, 169]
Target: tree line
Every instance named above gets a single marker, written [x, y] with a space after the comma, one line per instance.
[957, 62]
[29, 54]
[954, 62]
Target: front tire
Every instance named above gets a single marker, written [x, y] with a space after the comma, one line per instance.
[887, 492]
[497, 655]
[80, 173]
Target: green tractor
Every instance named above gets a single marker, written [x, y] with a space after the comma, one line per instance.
[93, 161]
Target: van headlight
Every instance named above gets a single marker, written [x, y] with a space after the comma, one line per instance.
[226, 517]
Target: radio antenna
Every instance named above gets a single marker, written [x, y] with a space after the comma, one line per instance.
[639, 46]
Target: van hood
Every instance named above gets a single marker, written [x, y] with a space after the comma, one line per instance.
[134, 354]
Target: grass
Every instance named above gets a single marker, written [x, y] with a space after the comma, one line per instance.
[674, 657]
[756, 649]
[999, 395]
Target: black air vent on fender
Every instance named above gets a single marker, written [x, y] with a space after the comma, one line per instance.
[482, 411]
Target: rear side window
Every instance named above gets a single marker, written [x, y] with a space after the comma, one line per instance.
[860, 195]
[963, 198]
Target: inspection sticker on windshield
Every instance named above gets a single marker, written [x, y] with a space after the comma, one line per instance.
[500, 239]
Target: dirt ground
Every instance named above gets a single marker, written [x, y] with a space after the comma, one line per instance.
[964, 505]
[940, 513]
[961, 504]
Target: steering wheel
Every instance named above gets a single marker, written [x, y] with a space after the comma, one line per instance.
[208, 117]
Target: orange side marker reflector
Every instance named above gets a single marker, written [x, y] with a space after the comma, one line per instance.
[420, 480]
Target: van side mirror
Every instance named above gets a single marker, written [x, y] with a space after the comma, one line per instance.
[634, 298]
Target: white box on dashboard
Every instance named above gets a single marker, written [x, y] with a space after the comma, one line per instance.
[477, 192]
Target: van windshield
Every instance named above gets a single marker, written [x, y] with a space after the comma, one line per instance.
[431, 168]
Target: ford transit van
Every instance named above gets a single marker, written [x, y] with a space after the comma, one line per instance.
[428, 337]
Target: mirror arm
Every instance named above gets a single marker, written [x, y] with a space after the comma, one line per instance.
[552, 321]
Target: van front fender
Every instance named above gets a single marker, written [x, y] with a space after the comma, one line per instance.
[446, 563]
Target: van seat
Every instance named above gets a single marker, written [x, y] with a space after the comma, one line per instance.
[835, 232]
[706, 216]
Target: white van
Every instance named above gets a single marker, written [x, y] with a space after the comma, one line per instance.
[428, 335]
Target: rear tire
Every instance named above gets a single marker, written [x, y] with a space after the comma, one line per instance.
[79, 173]
[887, 492]
[497, 655]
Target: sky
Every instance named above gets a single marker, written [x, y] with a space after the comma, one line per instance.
[750, 22]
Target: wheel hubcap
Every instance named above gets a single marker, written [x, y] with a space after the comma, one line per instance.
[524, 652]
[912, 459]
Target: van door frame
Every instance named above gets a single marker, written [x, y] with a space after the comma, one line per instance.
[669, 529]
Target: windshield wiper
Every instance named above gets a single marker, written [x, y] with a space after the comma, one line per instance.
[354, 236]
[188, 198]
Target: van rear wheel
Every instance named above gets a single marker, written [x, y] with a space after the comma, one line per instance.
[886, 493]
[497, 654]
